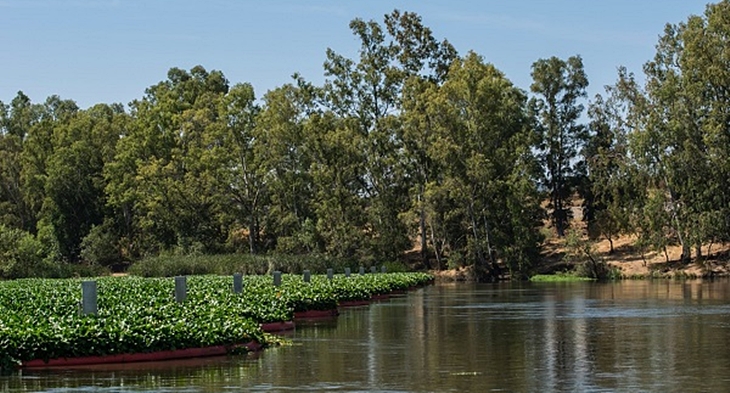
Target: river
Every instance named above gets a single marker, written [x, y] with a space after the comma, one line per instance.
[628, 336]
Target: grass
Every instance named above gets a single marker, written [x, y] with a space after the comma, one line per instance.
[226, 264]
[559, 277]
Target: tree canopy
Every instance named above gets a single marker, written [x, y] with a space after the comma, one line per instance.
[408, 149]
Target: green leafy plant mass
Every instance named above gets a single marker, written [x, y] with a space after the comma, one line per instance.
[42, 318]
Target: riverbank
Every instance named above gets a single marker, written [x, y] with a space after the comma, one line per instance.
[627, 261]
[632, 263]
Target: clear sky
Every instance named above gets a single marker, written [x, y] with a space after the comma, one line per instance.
[105, 51]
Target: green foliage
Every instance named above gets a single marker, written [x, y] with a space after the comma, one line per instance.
[175, 265]
[40, 319]
[660, 169]
[76, 270]
[22, 255]
[581, 251]
[559, 277]
[364, 191]
[342, 171]
[407, 141]
[558, 85]
[166, 177]
[610, 190]
[482, 203]
[101, 246]
[395, 267]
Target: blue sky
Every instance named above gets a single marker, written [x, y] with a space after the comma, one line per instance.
[95, 51]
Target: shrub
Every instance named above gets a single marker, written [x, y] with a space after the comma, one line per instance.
[23, 255]
[588, 263]
[100, 246]
[225, 264]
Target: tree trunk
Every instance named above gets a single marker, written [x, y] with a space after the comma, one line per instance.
[422, 230]
[698, 251]
[686, 252]
[686, 256]
[436, 248]
[480, 260]
[494, 268]
[253, 231]
[610, 245]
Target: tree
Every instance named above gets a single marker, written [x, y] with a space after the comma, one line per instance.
[558, 86]
[369, 91]
[244, 175]
[163, 179]
[609, 192]
[13, 210]
[74, 186]
[337, 183]
[672, 180]
[285, 152]
[484, 195]
[38, 147]
[679, 121]
[419, 135]
[23, 255]
[688, 80]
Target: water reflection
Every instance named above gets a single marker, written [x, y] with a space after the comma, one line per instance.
[633, 336]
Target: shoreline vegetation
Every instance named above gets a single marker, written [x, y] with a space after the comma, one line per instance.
[41, 320]
[410, 141]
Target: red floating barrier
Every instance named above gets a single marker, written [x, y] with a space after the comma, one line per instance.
[313, 314]
[272, 327]
[186, 353]
[353, 303]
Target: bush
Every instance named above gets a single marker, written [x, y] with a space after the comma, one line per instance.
[395, 267]
[226, 264]
[100, 247]
[75, 270]
[23, 255]
[588, 263]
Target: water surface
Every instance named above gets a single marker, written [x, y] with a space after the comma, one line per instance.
[630, 336]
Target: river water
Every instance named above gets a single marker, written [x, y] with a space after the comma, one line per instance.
[629, 336]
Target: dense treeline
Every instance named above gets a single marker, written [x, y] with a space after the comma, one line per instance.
[408, 141]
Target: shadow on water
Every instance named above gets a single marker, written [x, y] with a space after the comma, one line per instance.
[630, 336]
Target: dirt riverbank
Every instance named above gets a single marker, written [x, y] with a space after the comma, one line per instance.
[630, 261]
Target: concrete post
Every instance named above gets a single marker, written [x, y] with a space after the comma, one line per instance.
[277, 278]
[307, 276]
[237, 283]
[362, 271]
[330, 274]
[373, 269]
[181, 288]
[88, 296]
[383, 269]
[347, 272]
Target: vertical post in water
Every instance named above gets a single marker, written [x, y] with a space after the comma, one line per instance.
[237, 283]
[373, 269]
[383, 269]
[330, 273]
[307, 276]
[277, 278]
[181, 288]
[362, 271]
[88, 296]
[347, 272]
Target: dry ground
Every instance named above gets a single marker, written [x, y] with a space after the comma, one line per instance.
[633, 263]
[628, 259]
